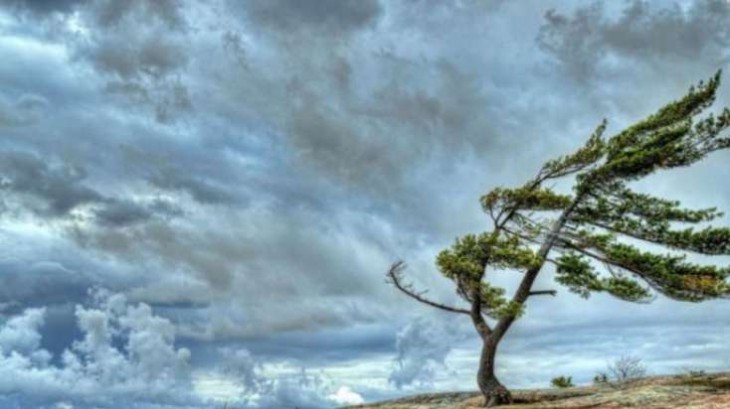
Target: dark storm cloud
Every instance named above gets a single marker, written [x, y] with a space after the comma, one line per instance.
[289, 255]
[153, 56]
[122, 213]
[59, 188]
[643, 33]
[107, 12]
[332, 345]
[45, 7]
[112, 12]
[202, 172]
[54, 190]
[202, 190]
[41, 283]
[138, 46]
[145, 65]
[360, 113]
[26, 110]
[335, 16]
[48, 272]
[427, 111]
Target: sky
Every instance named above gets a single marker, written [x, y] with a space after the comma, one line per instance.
[200, 199]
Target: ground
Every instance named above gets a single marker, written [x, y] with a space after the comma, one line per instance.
[690, 391]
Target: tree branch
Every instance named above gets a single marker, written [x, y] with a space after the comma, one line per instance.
[646, 239]
[543, 292]
[478, 319]
[608, 264]
[395, 277]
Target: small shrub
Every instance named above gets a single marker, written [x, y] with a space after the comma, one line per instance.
[601, 378]
[562, 382]
[627, 368]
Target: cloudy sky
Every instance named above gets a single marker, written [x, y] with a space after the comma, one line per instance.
[199, 199]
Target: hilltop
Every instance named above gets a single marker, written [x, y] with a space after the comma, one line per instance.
[692, 391]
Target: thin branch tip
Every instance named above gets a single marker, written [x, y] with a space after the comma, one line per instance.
[395, 277]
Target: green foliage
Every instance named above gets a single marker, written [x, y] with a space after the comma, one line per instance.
[469, 255]
[671, 274]
[665, 140]
[577, 274]
[643, 159]
[526, 197]
[625, 289]
[710, 240]
[511, 252]
[584, 157]
[466, 259]
[696, 373]
[601, 378]
[697, 99]
[562, 382]
[617, 203]
[643, 217]
[606, 209]
[508, 309]
[492, 297]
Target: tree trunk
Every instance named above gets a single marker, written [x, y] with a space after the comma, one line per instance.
[494, 392]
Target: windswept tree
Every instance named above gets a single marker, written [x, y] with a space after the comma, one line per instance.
[603, 237]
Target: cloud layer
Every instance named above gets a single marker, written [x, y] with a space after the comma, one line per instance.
[241, 174]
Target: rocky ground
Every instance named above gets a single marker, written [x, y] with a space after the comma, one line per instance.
[692, 391]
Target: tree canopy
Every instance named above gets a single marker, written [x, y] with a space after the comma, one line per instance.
[604, 236]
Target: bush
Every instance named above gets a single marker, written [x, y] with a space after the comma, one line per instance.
[696, 374]
[627, 368]
[562, 382]
[601, 378]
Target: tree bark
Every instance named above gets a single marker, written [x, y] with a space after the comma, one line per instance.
[494, 392]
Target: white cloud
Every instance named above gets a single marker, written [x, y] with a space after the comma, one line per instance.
[20, 333]
[346, 396]
[243, 381]
[302, 390]
[240, 364]
[125, 350]
[423, 346]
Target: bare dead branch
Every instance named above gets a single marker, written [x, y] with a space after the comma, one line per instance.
[395, 277]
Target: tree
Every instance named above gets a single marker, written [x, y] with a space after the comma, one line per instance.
[627, 368]
[562, 382]
[594, 234]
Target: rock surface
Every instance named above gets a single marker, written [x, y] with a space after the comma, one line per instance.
[698, 391]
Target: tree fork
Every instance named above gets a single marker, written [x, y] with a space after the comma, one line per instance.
[528, 280]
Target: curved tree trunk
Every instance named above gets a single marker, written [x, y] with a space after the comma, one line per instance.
[494, 392]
